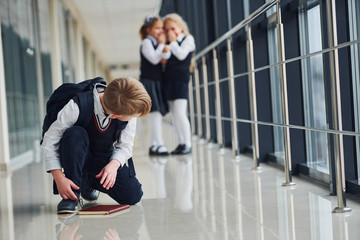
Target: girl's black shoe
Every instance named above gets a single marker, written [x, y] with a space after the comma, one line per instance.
[156, 151]
[181, 149]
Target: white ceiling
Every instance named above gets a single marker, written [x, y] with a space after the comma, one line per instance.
[114, 27]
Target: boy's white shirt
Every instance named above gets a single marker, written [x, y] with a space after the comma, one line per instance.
[68, 116]
[150, 53]
[187, 46]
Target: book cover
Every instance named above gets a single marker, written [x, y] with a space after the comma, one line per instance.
[103, 209]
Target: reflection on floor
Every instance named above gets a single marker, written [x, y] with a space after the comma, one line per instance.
[205, 195]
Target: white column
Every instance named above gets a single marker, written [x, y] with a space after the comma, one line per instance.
[88, 70]
[93, 65]
[40, 79]
[55, 45]
[79, 54]
[4, 134]
[98, 67]
[107, 75]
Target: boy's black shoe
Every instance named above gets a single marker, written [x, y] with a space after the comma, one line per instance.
[90, 196]
[66, 206]
[89, 204]
[181, 149]
[87, 192]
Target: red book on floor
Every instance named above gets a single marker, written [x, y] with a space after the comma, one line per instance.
[103, 209]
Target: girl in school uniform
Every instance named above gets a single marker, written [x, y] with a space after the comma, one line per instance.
[177, 77]
[152, 51]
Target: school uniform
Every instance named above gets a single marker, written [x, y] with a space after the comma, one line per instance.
[176, 89]
[177, 70]
[85, 150]
[152, 72]
[152, 78]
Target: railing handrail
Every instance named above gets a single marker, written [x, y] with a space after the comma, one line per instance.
[289, 60]
[236, 28]
[291, 126]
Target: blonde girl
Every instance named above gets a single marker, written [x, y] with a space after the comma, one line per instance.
[177, 76]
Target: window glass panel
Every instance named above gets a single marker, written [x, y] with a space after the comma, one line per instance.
[313, 86]
[275, 84]
[246, 8]
[20, 76]
[275, 91]
[354, 29]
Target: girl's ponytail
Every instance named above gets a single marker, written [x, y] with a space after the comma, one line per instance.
[143, 31]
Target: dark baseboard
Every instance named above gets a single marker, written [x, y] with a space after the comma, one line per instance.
[312, 173]
[353, 187]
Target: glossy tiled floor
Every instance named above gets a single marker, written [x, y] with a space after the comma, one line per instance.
[206, 195]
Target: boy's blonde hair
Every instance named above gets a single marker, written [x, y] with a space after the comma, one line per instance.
[127, 96]
[176, 18]
[148, 24]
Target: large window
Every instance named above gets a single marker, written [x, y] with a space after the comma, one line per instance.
[275, 84]
[354, 29]
[313, 85]
[19, 49]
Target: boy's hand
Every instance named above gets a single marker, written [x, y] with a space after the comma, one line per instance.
[108, 174]
[64, 185]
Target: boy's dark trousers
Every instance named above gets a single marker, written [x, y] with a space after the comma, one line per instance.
[78, 161]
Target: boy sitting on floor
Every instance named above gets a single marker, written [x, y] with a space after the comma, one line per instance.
[93, 155]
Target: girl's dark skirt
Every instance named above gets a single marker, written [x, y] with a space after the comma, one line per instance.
[154, 89]
[173, 90]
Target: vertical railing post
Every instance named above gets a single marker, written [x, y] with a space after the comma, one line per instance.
[284, 99]
[198, 102]
[218, 101]
[4, 127]
[191, 104]
[253, 105]
[336, 108]
[206, 99]
[232, 99]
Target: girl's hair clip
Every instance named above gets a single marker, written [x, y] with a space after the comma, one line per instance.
[148, 19]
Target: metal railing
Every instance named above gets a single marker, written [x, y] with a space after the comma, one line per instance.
[335, 94]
